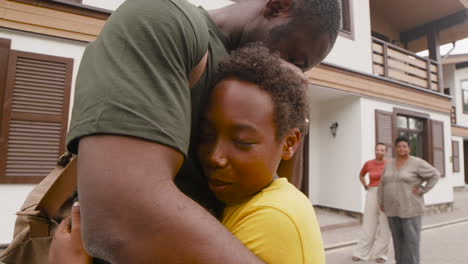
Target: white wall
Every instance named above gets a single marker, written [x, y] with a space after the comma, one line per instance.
[335, 162]
[462, 118]
[13, 195]
[315, 135]
[443, 191]
[355, 54]
[11, 199]
[458, 178]
[449, 81]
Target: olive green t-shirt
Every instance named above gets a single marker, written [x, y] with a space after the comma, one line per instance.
[133, 80]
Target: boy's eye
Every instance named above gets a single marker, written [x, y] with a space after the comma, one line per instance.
[243, 143]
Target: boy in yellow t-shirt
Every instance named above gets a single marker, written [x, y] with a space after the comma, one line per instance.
[255, 117]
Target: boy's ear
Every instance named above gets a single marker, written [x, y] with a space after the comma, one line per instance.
[291, 143]
[275, 8]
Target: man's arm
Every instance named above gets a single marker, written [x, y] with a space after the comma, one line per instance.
[133, 213]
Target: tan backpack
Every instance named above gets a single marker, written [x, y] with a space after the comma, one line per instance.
[46, 205]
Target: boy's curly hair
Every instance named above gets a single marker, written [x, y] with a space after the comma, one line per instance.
[285, 83]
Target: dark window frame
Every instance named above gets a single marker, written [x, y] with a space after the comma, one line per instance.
[347, 19]
[423, 132]
[426, 136]
[463, 90]
[455, 156]
[5, 47]
[430, 142]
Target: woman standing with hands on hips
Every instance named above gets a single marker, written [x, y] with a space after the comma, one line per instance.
[375, 237]
[404, 182]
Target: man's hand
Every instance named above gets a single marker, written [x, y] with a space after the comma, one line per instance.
[67, 246]
[366, 187]
[382, 207]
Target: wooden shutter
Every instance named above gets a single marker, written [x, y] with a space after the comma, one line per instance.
[438, 157]
[383, 130]
[35, 115]
[455, 156]
[5, 45]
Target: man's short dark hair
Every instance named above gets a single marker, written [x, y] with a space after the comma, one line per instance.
[401, 139]
[286, 84]
[326, 12]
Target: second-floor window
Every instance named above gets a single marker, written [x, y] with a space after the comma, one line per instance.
[346, 27]
[464, 90]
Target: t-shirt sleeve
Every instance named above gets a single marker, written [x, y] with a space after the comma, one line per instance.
[271, 235]
[133, 80]
[365, 169]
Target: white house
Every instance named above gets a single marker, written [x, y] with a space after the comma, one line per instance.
[456, 84]
[375, 88]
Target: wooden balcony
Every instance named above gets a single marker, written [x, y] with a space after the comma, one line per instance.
[398, 64]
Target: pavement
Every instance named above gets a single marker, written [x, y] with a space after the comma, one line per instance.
[447, 232]
[441, 231]
[442, 245]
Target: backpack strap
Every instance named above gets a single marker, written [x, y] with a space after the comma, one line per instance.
[55, 189]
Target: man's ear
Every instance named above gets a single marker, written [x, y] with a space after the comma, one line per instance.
[291, 143]
[276, 8]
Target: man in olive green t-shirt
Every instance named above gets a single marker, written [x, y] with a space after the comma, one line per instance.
[140, 89]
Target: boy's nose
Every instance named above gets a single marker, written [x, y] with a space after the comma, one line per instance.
[217, 158]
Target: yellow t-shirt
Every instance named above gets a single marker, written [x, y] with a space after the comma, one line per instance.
[278, 225]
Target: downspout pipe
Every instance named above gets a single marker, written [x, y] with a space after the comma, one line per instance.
[448, 53]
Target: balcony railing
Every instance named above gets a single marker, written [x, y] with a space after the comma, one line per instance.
[395, 63]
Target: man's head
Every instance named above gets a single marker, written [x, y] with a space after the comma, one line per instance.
[254, 119]
[303, 31]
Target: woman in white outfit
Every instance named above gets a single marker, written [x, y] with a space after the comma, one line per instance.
[375, 238]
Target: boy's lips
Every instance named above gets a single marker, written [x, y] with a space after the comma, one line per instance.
[218, 185]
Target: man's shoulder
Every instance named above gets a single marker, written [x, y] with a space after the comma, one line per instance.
[161, 14]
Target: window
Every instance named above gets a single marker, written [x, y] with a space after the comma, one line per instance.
[413, 129]
[35, 117]
[346, 27]
[455, 156]
[426, 136]
[464, 90]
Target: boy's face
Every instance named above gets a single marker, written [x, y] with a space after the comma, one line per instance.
[238, 148]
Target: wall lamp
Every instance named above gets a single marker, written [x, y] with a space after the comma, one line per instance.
[334, 128]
